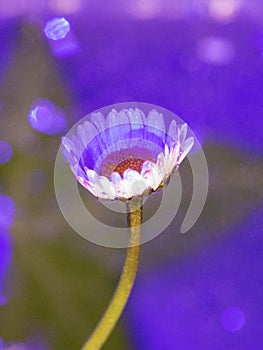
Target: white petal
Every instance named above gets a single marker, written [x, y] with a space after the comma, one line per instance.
[142, 115]
[166, 150]
[182, 131]
[151, 175]
[77, 170]
[86, 132]
[131, 175]
[68, 144]
[155, 120]
[136, 118]
[137, 183]
[78, 147]
[124, 118]
[166, 159]
[70, 157]
[172, 132]
[98, 120]
[88, 185]
[112, 119]
[91, 174]
[122, 187]
[104, 188]
[74, 169]
[173, 156]
[138, 187]
[160, 165]
[186, 148]
[115, 177]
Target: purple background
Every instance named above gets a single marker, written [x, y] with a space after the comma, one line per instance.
[197, 59]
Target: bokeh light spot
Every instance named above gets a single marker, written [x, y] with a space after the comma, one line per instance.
[65, 6]
[45, 117]
[57, 28]
[40, 118]
[233, 319]
[215, 50]
[7, 211]
[65, 47]
[5, 152]
[224, 9]
[146, 9]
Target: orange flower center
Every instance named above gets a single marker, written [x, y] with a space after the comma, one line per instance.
[131, 163]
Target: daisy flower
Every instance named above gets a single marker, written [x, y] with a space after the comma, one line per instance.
[126, 153]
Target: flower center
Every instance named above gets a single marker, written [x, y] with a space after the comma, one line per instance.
[131, 163]
[119, 161]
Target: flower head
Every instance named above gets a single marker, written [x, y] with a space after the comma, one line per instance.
[126, 154]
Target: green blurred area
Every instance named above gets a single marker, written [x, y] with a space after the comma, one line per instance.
[57, 293]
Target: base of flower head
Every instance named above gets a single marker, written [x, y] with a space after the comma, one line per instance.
[153, 176]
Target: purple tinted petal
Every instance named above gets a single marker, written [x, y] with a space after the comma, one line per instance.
[136, 118]
[155, 120]
[182, 131]
[98, 120]
[123, 115]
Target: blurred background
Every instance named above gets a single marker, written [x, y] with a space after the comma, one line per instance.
[201, 59]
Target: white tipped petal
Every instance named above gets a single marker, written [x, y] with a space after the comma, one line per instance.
[104, 188]
[123, 117]
[138, 187]
[112, 119]
[115, 177]
[98, 120]
[77, 170]
[137, 183]
[88, 185]
[123, 189]
[142, 115]
[78, 147]
[155, 120]
[186, 148]
[135, 118]
[86, 132]
[182, 131]
[173, 157]
[131, 175]
[151, 175]
[91, 187]
[74, 169]
[172, 132]
[166, 159]
[68, 144]
[91, 174]
[166, 150]
[160, 164]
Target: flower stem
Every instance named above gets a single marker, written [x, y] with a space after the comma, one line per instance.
[123, 290]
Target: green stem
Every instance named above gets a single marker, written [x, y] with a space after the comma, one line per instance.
[123, 290]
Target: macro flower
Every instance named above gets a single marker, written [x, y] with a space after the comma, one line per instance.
[126, 153]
